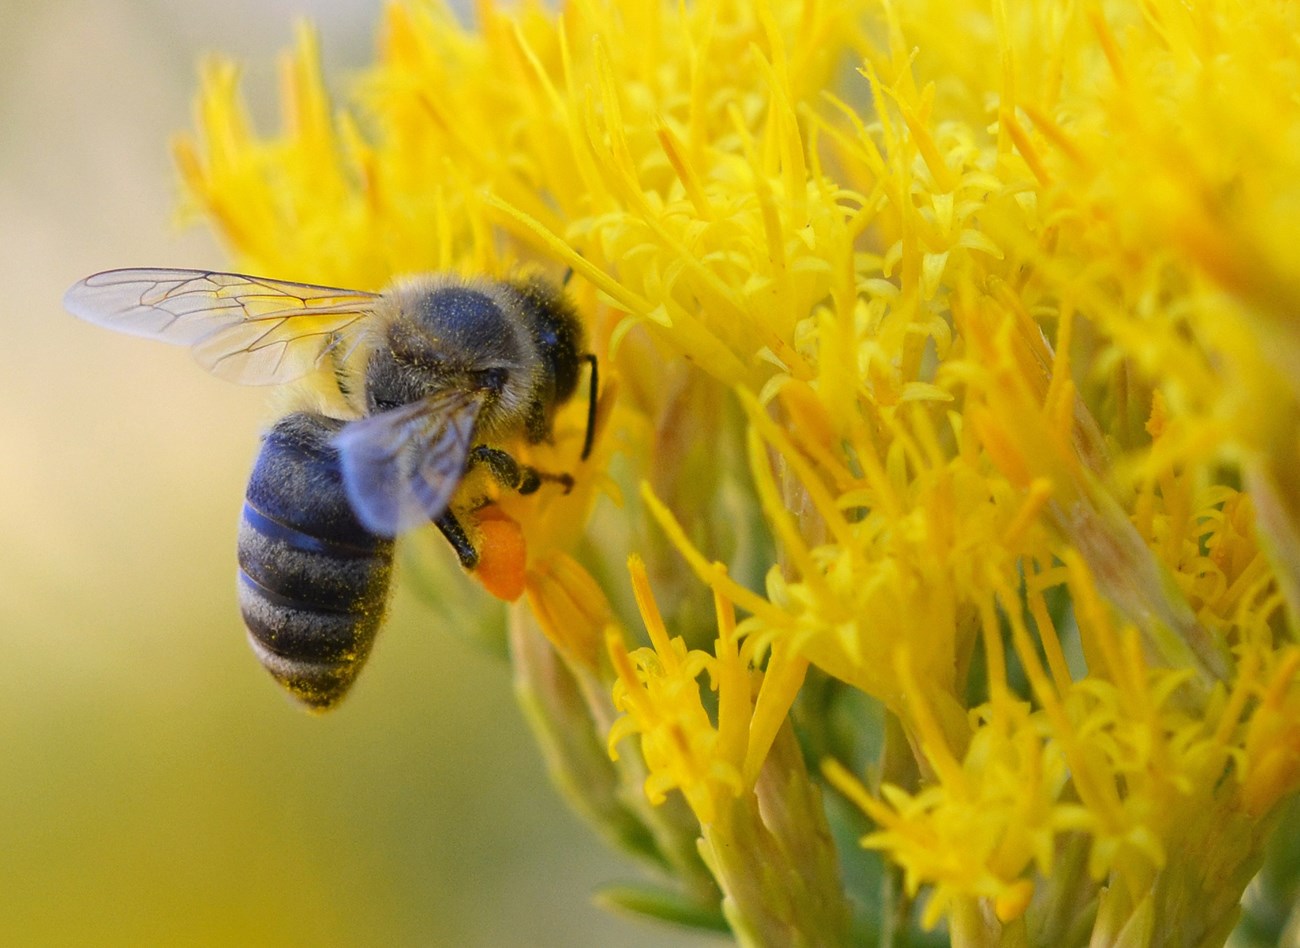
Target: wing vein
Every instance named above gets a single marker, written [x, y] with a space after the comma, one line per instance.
[249, 329]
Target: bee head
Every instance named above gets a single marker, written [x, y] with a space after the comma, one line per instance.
[557, 331]
[445, 335]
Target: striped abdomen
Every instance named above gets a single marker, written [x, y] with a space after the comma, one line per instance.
[313, 583]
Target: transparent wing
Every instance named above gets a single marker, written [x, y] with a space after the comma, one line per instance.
[401, 467]
[243, 328]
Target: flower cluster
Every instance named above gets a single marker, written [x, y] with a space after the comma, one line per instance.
[953, 342]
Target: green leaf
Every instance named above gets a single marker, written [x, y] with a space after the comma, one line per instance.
[663, 904]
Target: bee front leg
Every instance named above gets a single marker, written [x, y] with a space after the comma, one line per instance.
[510, 473]
[458, 539]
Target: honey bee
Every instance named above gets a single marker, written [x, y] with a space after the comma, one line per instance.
[434, 372]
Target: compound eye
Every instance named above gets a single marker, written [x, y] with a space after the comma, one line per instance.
[493, 379]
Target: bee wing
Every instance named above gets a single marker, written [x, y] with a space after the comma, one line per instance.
[243, 328]
[402, 466]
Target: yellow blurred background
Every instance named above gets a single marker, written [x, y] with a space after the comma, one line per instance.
[156, 786]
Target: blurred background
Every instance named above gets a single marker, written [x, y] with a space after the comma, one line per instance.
[156, 787]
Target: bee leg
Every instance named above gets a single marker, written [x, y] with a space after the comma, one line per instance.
[593, 395]
[510, 473]
[459, 541]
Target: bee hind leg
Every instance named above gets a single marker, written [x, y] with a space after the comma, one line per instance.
[510, 473]
[523, 478]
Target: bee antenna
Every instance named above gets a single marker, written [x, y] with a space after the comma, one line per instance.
[590, 357]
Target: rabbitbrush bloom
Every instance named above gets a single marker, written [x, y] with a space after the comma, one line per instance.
[952, 343]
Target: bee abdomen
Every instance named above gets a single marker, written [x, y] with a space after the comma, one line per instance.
[313, 583]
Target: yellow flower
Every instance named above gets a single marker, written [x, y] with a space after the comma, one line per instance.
[968, 375]
[762, 831]
[658, 692]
